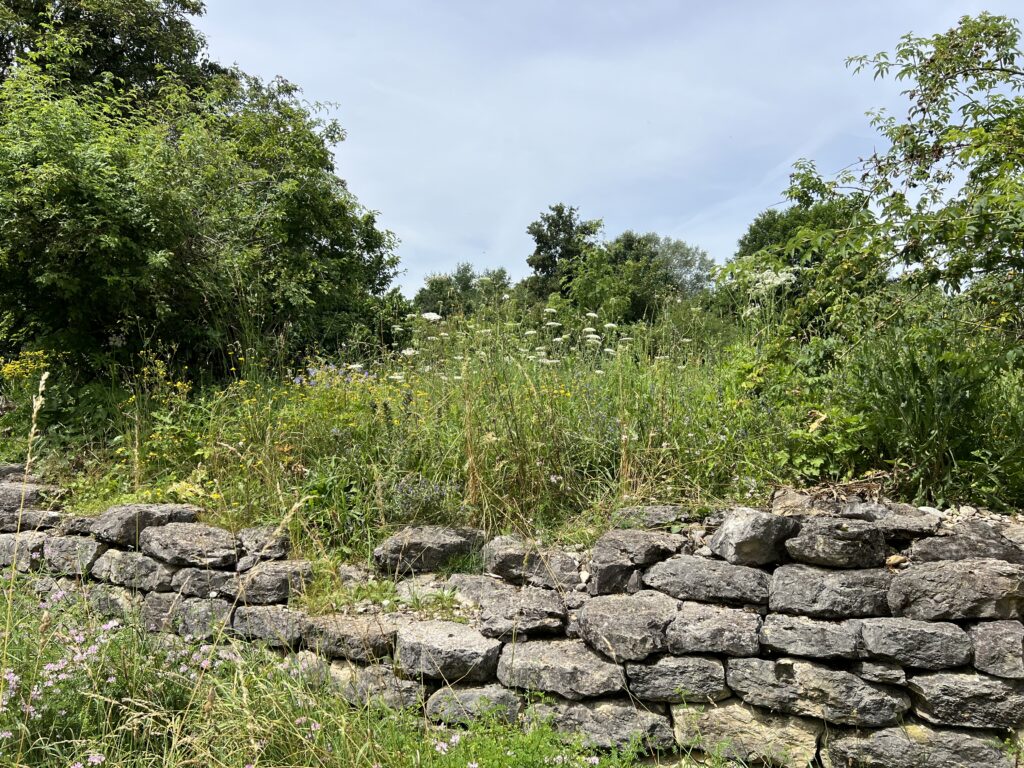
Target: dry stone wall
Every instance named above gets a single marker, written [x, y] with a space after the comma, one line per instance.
[826, 633]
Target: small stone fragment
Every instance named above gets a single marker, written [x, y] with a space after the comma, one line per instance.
[445, 650]
[195, 544]
[737, 731]
[71, 555]
[968, 699]
[702, 628]
[708, 581]
[609, 723]
[678, 679]
[376, 685]
[838, 544]
[914, 745]
[627, 627]
[566, 667]
[273, 625]
[463, 705]
[520, 563]
[910, 643]
[824, 594]
[357, 638]
[23, 550]
[965, 589]
[999, 648]
[133, 570]
[751, 537]
[425, 548]
[817, 639]
[122, 525]
[880, 672]
[813, 690]
[618, 554]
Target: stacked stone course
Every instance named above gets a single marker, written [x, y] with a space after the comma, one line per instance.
[838, 634]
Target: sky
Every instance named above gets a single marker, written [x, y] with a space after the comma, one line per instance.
[465, 119]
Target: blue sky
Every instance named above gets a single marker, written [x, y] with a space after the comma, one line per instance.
[467, 118]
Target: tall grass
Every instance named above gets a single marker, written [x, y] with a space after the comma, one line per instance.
[505, 422]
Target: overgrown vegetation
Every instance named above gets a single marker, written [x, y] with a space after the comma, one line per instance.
[78, 690]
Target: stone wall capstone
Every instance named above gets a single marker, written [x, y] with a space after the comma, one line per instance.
[833, 633]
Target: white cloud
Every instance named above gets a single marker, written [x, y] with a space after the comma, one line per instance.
[466, 119]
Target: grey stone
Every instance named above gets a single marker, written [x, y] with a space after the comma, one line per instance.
[913, 745]
[368, 638]
[897, 522]
[462, 705]
[473, 590]
[71, 555]
[813, 690]
[737, 731]
[911, 643]
[192, 544]
[609, 723]
[618, 554]
[751, 537]
[677, 679]
[815, 638]
[14, 520]
[445, 650]
[651, 516]
[23, 550]
[133, 570]
[9, 471]
[75, 525]
[967, 589]
[971, 539]
[521, 612]
[999, 648]
[269, 582]
[273, 625]
[566, 667]
[158, 611]
[16, 496]
[708, 581]
[520, 563]
[202, 582]
[968, 699]
[376, 685]
[261, 543]
[202, 618]
[425, 548]
[825, 594]
[627, 627]
[113, 602]
[122, 525]
[880, 672]
[701, 628]
[838, 544]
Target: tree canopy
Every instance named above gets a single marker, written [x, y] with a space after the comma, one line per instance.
[154, 210]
